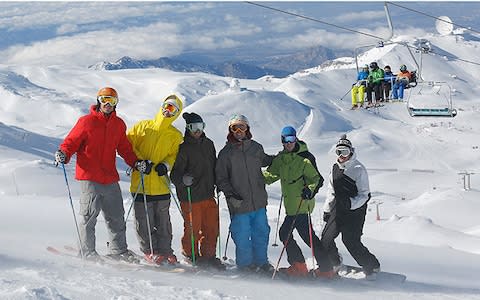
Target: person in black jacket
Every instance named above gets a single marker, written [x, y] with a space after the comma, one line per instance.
[194, 169]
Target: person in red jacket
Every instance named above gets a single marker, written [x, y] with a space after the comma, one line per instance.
[96, 139]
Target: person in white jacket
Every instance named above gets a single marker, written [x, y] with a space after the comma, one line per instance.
[345, 208]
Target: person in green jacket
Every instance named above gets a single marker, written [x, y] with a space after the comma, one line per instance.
[300, 180]
[375, 79]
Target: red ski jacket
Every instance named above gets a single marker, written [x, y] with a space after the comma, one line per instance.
[96, 138]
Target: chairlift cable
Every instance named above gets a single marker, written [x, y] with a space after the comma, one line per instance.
[364, 33]
[430, 16]
[447, 56]
[315, 20]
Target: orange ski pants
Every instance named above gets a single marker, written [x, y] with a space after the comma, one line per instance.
[205, 228]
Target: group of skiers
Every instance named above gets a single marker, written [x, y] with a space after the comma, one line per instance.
[381, 82]
[154, 148]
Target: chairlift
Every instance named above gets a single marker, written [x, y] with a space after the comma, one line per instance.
[431, 99]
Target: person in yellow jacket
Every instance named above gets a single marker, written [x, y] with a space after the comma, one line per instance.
[156, 141]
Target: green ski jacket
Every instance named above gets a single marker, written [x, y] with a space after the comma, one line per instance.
[295, 171]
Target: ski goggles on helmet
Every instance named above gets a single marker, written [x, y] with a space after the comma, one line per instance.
[289, 139]
[108, 99]
[238, 128]
[195, 127]
[343, 151]
[169, 107]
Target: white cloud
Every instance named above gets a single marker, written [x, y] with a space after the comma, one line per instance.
[32, 15]
[67, 28]
[335, 40]
[360, 16]
[149, 42]
[153, 41]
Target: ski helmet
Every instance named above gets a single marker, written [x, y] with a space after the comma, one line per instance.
[373, 65]
[289, 131]
[107, 91]
[238, 119]
[289, 134]
[403, 68]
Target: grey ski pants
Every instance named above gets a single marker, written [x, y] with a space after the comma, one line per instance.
[160, 226]
[107, 198]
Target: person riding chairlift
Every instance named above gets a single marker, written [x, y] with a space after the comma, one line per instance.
[402, 80]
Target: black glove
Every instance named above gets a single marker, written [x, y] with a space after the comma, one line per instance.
[187, 180]
[326, 216]
[60, 157]
[161, 169]
[144, 166]
[234, 200]
[306, 193]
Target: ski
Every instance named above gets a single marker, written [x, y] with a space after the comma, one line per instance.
[71, 252]
[59, 252]
[353, 272]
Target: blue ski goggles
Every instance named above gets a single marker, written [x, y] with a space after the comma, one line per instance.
[289, 139]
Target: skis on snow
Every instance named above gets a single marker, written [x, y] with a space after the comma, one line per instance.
[353, 272]
[72, 252]
[347, 272]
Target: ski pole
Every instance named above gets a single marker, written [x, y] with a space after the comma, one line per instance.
[310, 232]
[146, 215]
[288, 238]
[341, 99]
[73, 211]
[278, 221]
[133, 201]
[189, 193]
[173, 195]
[219, 242]
[226, 245]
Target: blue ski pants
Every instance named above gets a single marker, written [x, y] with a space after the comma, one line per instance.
[250, 233]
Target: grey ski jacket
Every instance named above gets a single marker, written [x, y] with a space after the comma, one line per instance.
[239, 173]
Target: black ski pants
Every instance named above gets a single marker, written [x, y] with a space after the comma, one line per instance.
[350, 225]
[374, 87]
[294, 253]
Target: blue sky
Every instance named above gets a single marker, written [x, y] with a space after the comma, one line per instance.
[83, 33]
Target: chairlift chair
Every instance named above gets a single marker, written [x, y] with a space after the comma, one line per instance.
[432, 99]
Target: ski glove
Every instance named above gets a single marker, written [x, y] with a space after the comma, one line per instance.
[60, 157]
[144, 166]
[187, 180]
[234, 200]
[161, 169]
[307, 194]
[326, 216]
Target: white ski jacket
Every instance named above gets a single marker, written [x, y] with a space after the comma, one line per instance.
[356, 171]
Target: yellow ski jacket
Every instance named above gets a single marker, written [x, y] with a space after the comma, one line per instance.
[156, 140]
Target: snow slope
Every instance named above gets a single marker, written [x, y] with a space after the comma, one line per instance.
[428, 227]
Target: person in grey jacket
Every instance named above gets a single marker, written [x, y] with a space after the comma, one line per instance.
[345, 208]
[239, 176]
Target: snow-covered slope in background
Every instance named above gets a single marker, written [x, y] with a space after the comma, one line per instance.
[428, 227]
